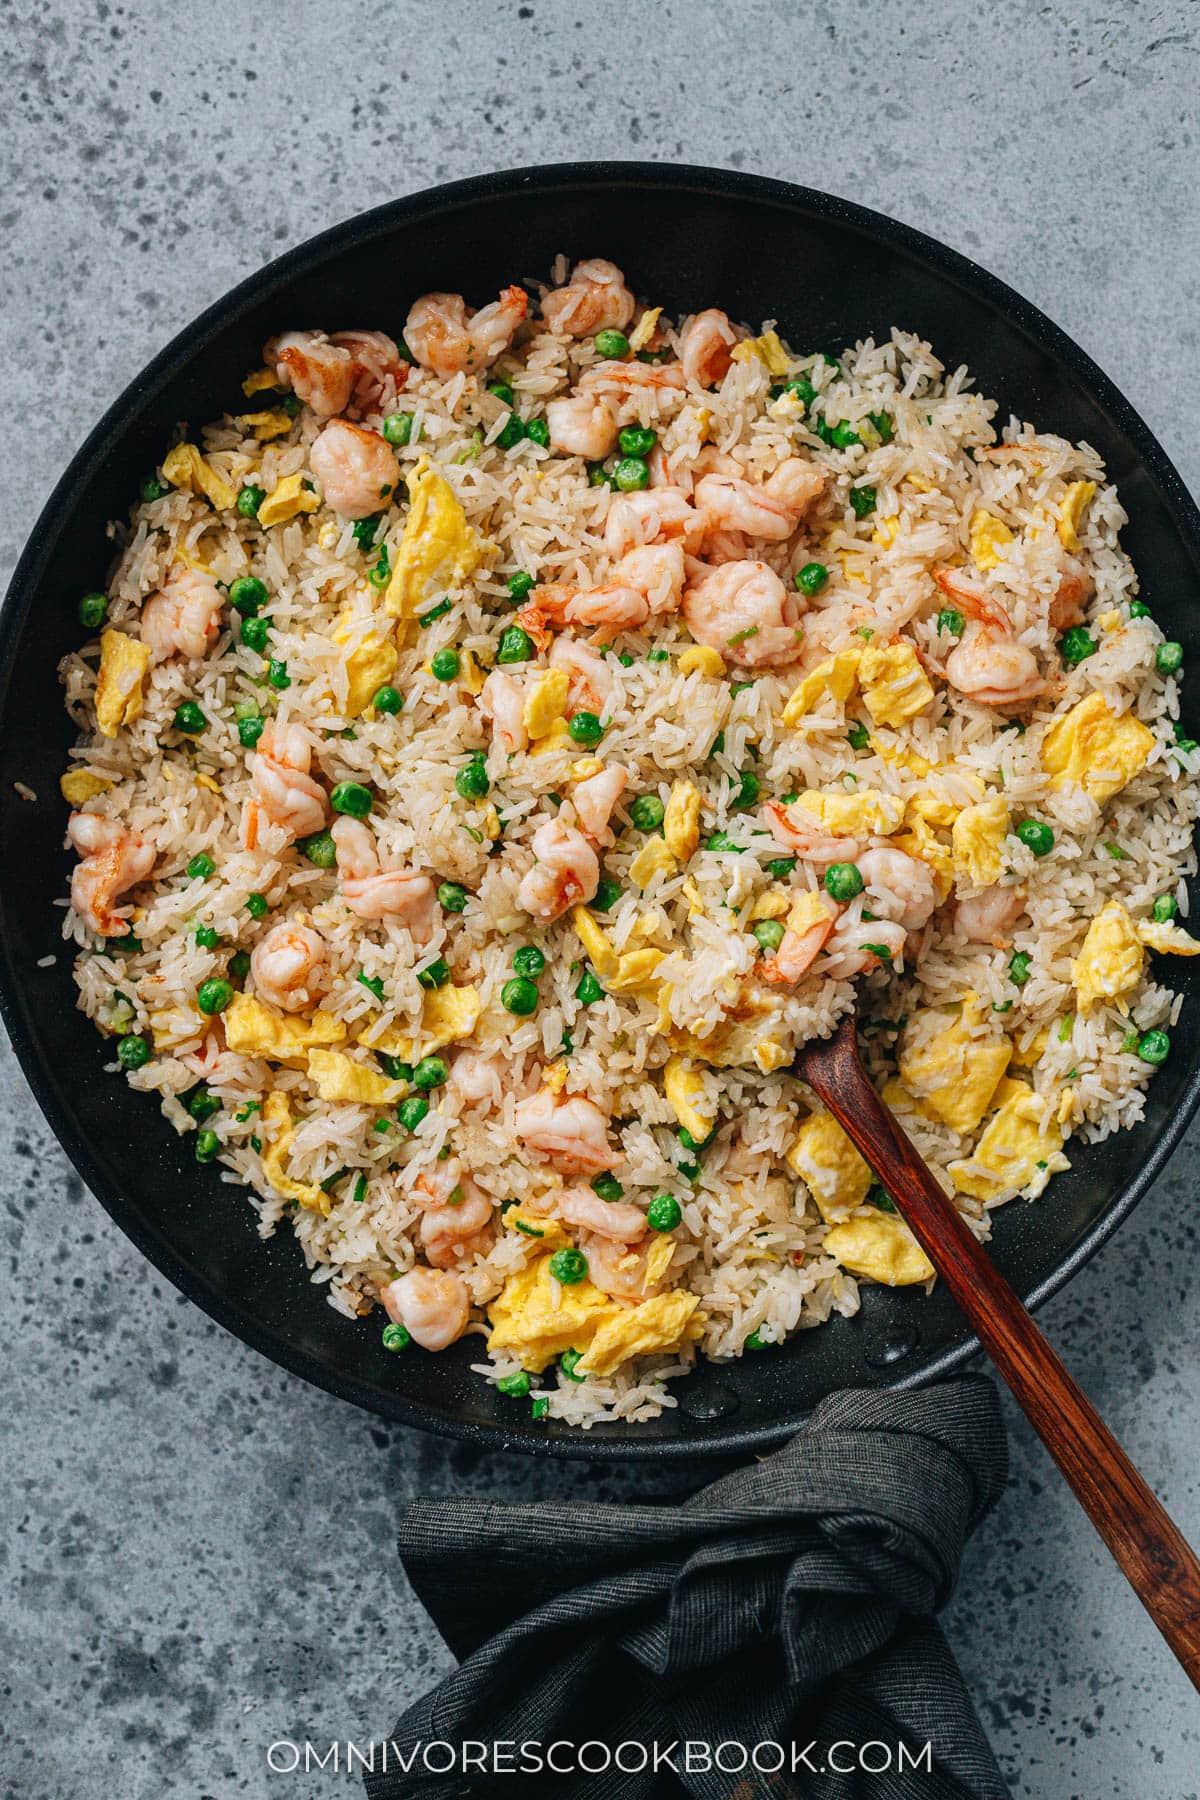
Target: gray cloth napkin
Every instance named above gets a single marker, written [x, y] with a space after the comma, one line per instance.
[790, 1603]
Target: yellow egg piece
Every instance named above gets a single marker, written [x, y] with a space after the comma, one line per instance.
[658, 1326]
[252, 1029]
[702, 659]
[1014, 1154]
[266, 425]
[1071, 510]
[369, 666]
[119, 696]
[634, 972]
[645, 328]
[1110, 959]
[546, 703]
[681, 821]
[596, 942]
[535, 1318]
[977, 842]
[1169, 940]
[276, 1117]
[827, 1162]
[894, 685]
[771, 905]
[835, 676]
[767, 349]
[78, 786]
[185, 468]
[542, 1232]
[988, 535]
[341, 1080]
[287, 499]
[655, 858]
[448, 1014]
[1100, 750]
[862, 812]
[259, 381]
[437, 544]
[684, 1088]
[886, 530]
[951, 1073]
[882, 1249]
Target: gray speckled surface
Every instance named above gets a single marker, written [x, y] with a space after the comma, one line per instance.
[197, 1548]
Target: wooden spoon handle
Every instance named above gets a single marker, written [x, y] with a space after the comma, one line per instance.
[1152, 1553]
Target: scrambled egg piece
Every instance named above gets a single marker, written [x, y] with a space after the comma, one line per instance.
[865, 812]
[681, 821]
[1110, 620]
[1025, 1059]
[123, 664]
[185, 468]
[881, 1248]
[448, 1014]
[557, 738]
[837, 675]
[952, 1075]
[543, 1232]
[886, 531]
[339, 1078]
[767, 349]
[78, 786]
[1169, 940]
[987, 537]
[277, 1115]
[654, 858]
[645, 328]
[701, 657]
[1014, 1150]
[266, 425]
[808, 908]
[368, 666]
[471, 674]
[252, 1029]
[684, 1088]
[634, 972]
[258, 381]
[286, 499]
[175, 1025]
[894, 685]
[661, 1325]
[771, 905]
[1071, 508]
[1110, 959]
[546, 703]
[526, 1321]
[1091, 745]
[897, 757]
[437, 544]
[823, 1157]
[596, 942]
[977, 841]
[927, 847]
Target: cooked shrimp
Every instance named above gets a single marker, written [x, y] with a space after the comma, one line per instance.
[318, 371]
[378, 361]
[433, 1307]
[1074, 590]
[656, 515]
[594, 799]
[374, 892]
[283, 788]
[731, 504]
[502, 703]
[590, 676]
[593, 299]
[572, 1132]
[613, 1219]
[743, 610]
[898, 887]
[567, 870]
[443, 338]
[357, 469]
[290, 966]
[184, 617]
[989, 664]
[581, 426]
[456, 1214]
[476, 1078]
[857, 944]
[796, 830]
[798, 950]
[622, 382]
[989, 916]
[796, 483]
[706, 347]
[114, 859]
[616, 1268]
[656, 572]
[610, 608]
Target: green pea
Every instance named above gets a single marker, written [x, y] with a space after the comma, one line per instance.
[748, 790]
[568, 1362]
[519, 996]
[206, 937]
[1168, 658]
[589, 990]
[472, 782]
[722, 843]
[950, 622]
[516, 646]
[695, 1145]
[843, 435]
[584, 728]
[538, 432]
[189, 719]
[445, 664]
[663, 1213]
[515, 1387]
[239, 965]
[430, 1072]
[1154, 1046]
[1164, 909]
[607, 1187]
[529, 961]
[756, 1341]
[631, 474]
[568, 1266]
[153, 488]
[879, 1197]
[1138, 609]
[503, 393]
[410, 1112]
[1076, 645]
[353, 798]
[510, 434]
[843, 880]
[250, 730]
[885, 425]
[660, 656]
[202, 1105]
[254, 633]
[93, 610]
[636, 440]
[519, 586]
[812, 578]
[436, 975]
[1036, 837]
[248, 595]
[1018, 967]
[388, 700]
[539, 1406]
[133, 1052]
[394, 1337]
[257, 905]
[201, 867]
[598, 476]
[214, 996]
[397, 429]
[207, 1146]
[452, 897]
[647, 812]
[611, 344]
[607, 893]
[781, 867]
[862, 502]
[277, 674]
[319, 849]
[858, 737]
[249, 500]
[768, 934]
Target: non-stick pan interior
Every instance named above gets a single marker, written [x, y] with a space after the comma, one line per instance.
[829, 273]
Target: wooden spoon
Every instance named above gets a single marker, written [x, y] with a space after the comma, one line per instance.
[1151, 1552]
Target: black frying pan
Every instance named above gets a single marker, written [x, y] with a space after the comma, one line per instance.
[830, 272]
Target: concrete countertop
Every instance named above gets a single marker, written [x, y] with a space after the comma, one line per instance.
[199, 1548]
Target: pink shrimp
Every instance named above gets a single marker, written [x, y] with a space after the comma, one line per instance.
[617, 1268]
[572, 1132]
[989, 664]
[444, 338]
[858, 944]
[357, 469]
[796, 484]
[1075, 588]
[183, 618]
[743, 610]
[799, 831]
[581, 425]
[456, 1214]
[798, 950]
[476, 1078]
[897, 886]
[706, 347]
[610, 608]
[594, 298]
[433, 1307]
[502, 702]
[290, 966]
[989, 916]
[656, 515]
[567, 871]
[284, 791]
[374, 892]
[594, 799]
[590, 676]
[318, 371]
[378, 363]
[654, 571]
[622, 382]
[731, 504]
[114, 859]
